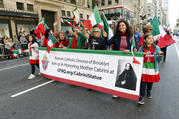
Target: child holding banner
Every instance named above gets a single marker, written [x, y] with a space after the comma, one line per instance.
[33, 55]
[150, 73]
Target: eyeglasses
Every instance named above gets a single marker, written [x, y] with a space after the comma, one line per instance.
[95, 31]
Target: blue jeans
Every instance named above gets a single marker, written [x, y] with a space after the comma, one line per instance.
[145, 87]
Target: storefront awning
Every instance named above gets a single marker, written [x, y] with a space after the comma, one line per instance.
[18, 14]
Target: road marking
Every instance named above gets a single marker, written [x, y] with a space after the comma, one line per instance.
[177, 50]
[14, 66]
[33, 88]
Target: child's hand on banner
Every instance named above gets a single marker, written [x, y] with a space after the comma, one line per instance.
[64, 48]
[160, 53]
[126, 51]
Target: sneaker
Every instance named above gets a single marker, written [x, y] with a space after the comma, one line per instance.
[115, 97]
[31, 76]
[39, 73]
[141, 101]
[149, 96]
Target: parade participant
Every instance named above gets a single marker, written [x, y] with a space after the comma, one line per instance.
[121, 40]
[45, 40]
[137, 36]
[97, 41]
[62, 42]
[78, 41]
[146, 29]
[164, 49]
[33, 55]
[150, 73]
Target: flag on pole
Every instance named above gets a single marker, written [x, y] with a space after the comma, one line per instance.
[66, 22]
[132, 51]
[107, 28]
[40, 29]
[51, 41]
[93, 19]
[159, 32]
[76, 17]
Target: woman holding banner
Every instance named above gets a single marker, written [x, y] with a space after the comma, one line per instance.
[121, 40]
[63, 42]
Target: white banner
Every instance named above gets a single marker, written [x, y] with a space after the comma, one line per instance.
[106, 71]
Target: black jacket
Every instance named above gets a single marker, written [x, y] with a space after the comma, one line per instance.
[97, 43]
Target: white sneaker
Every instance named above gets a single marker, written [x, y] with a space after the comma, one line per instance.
[39, 73]
[31, 76]
[115, 97]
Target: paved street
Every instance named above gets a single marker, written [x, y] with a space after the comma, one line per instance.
[58, 100]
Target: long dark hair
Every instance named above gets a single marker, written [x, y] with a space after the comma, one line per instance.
[117, 34]
[145, 44]
[33, 38]
[47, 33]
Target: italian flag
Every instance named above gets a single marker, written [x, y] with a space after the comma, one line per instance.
[66, 22]
[107, 28]
[76, 18]
[51, 41]
[132, 48]
[159, 32]
[93, 19]
[40, 29]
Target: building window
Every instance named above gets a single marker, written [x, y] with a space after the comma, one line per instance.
[20, 6]
[68, 13]
[1, 3]
[102, 2]
[116, 1]
[73, 1]
[30, 7]
[81, 16]
[87, 16]
[109, 2]
[63, 13]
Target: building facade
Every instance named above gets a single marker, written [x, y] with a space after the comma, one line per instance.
[158, 8]
[16, 16]
[116, 9]
[23, 15]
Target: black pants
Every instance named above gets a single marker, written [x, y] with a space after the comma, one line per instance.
[33, 68]
[145, 86]
[165, 52]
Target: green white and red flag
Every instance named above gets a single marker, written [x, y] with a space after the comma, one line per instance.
[51, 41]
[66, 22]
[107, 28]
[93, 19]
[40, 29]
[76, 17]
[159, 32]
[133, 45]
